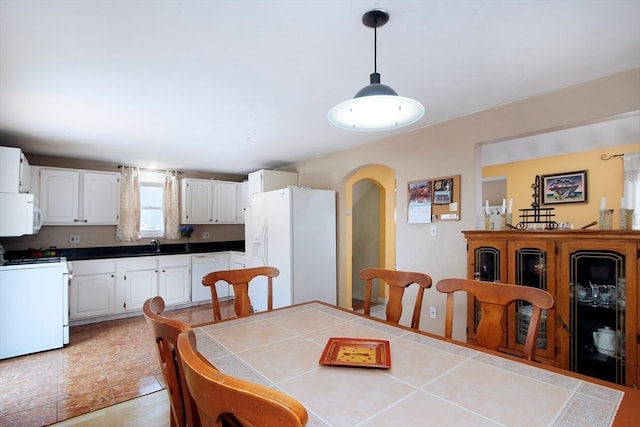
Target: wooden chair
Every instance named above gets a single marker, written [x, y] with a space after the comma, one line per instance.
[219, 395]
[397, 281]
[184, 412]
[240, 280]
[494, 299]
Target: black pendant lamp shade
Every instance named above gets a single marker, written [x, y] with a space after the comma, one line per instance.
[376, 107]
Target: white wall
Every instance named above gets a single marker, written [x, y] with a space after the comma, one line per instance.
[449, 148]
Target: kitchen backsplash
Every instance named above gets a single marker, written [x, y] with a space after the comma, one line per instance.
[104, 236]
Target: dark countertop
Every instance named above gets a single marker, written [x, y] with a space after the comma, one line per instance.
[75, 254]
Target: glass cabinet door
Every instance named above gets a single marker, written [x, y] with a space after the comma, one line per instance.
[532, 264]
[597, 311]
[488, 263]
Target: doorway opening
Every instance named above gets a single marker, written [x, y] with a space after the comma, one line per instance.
[370, 227]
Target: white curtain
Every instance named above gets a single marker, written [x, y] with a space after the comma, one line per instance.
[632, 186]
[171, 207]
[128, 229]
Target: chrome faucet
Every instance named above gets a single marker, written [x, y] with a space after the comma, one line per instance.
[157, 243]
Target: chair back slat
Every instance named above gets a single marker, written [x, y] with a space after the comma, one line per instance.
[397, 282]
[494, 298]
[240, 280]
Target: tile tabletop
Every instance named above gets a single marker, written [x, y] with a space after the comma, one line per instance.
[432, 378]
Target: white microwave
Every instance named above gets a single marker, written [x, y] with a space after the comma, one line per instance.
[19, 215]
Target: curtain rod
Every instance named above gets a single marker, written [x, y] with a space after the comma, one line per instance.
[150, 169]
[605, 157]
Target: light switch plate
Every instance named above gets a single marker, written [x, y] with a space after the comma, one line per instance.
[433, 230]
[205, 234]
[74, 238]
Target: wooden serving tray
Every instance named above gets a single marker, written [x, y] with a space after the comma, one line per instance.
[357, 353]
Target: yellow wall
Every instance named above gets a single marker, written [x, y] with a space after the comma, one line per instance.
[604, 179]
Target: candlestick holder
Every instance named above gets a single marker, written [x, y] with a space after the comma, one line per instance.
[487, 222]
[605, 219]
[509, 220]
[503, 221]
[626, 219]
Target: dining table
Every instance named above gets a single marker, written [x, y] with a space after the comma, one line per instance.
[414, 378]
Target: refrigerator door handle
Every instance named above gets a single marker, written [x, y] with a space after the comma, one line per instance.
[265, 237]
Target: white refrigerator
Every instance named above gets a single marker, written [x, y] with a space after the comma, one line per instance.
[294, 230]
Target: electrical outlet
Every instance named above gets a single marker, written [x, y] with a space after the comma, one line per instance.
[74, 238]
[432, 312]
[433, 231]
[205, 234]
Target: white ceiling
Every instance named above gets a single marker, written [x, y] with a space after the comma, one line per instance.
[234, 85]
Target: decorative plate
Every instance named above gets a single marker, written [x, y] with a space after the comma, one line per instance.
[357, 352]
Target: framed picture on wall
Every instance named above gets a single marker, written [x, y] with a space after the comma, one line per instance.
[568, 187]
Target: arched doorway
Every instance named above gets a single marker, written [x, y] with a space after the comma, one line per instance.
[383, 179]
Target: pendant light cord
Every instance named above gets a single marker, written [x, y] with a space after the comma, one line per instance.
[375, 48]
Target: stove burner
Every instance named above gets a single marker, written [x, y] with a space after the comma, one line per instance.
[40, 260]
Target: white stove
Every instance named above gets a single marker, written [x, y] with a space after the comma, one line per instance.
[34, 305]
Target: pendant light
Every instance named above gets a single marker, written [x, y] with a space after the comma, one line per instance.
[376, 107]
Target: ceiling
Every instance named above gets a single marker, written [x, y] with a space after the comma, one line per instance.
[232, 86]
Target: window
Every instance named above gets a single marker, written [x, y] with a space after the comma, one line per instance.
[151, 204]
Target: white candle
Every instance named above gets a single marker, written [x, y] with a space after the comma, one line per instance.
[623, 205]
[486, 207]
[510, 206]
[504, 206]
[603, 203]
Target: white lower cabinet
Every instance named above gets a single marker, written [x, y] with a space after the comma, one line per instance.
[174, 279]
[112, 287]
[139, 279]
[92, 291]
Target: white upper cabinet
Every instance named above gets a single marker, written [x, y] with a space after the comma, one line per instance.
[225, 206]
[70, 196]
[196, 201]
[101, 197]
[243, 200]
[59, 194]
[267, 180]
[15, 176]
[209, 202]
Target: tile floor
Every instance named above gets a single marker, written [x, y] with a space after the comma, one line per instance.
[105, 363]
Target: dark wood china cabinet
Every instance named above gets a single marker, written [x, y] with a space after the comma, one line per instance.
[593, 276]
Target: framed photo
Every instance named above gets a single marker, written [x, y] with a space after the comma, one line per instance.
[442, 197]
[568, 187]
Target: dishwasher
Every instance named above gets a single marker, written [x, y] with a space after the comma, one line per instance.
[201, 265]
